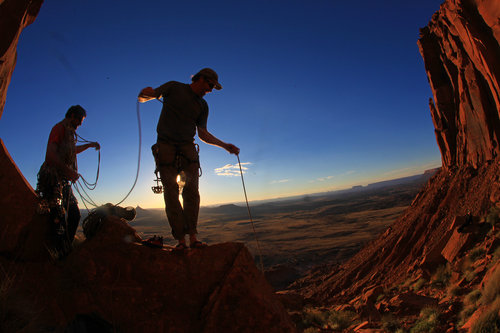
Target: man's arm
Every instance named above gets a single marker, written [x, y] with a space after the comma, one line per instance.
[86, 146]
[207, 137]
[147, 94]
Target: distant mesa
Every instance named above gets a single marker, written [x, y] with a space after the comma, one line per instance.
[431, 172]
[224, 209]
[140, 209]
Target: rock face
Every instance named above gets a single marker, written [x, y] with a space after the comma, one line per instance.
[15, 15]
[461, 51]
[136, 288]
[131, 287]
[23, 233]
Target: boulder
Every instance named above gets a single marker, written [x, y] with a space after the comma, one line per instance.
[456, 245]
[491, 273]
[369, 312]
[372, 293]
[409, 303]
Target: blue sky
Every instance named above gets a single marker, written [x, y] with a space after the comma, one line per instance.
[319, 95]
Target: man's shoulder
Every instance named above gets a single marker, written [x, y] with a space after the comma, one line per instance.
[171, 86]
[57, 132]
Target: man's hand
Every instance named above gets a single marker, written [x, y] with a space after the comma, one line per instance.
[146, 94]
[72, 175]
[95, 145]
[232, 149]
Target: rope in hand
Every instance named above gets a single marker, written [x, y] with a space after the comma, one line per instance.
[79, 187]
[250, 215]
[84, 183]
[91, 186]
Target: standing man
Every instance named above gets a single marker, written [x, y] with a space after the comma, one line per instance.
[184, 112]
[57, 174]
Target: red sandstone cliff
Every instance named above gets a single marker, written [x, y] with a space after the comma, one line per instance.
[461, 50]
[15, 15]
[461, 54]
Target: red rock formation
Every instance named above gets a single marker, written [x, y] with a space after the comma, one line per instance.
[140, 289]
[23, 233]
[461, 51]
[460, 47]
[15, 15]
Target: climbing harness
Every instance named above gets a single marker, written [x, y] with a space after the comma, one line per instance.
[180, 162]
[250, 216]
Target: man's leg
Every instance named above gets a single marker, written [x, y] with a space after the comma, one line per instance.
[190, 193]
[168, 175]
[73, 216]
[191, 198]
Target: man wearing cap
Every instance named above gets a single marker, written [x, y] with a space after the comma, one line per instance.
[184, 112]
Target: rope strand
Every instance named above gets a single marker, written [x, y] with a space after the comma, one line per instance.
[250, 215]
[139, 154]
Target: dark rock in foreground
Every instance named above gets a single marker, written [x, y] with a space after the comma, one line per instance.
[139, 289]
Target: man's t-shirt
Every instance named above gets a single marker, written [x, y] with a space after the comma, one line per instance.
[65, 140]
[57, 134]
[182, 112]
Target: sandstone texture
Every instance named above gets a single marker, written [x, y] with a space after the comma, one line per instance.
[461, 51]
[135, 288]
[23, 232]
[15, 15]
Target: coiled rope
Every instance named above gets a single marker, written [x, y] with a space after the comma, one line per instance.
[81, 185]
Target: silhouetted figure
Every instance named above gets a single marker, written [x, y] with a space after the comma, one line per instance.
[57, 174]
[184, 112]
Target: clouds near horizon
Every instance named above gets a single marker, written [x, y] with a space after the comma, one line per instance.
[232, 170]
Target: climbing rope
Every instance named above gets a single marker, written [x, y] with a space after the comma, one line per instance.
[139, 153]
[250, 216]
[90, 186]
[81, 185]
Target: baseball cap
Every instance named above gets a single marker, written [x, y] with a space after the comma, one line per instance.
[211, 75]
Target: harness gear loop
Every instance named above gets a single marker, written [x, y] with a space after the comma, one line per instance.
[180, 162]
